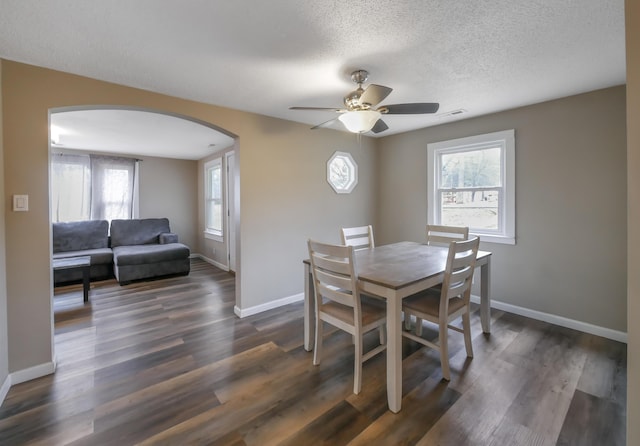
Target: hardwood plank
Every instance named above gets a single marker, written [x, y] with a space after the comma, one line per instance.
[604, 373]
[421, 409]
[336, 426]
[593, 420]
[552, 382]
[479, 411]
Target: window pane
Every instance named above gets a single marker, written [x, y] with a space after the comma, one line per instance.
[215, 191]
[215, 216]
[85, 187]
[70, 188]
[477, 168]
[213, 203]
[342, 172]
[116, 194]
[476, 209]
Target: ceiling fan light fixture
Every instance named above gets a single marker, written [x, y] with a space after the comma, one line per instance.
[359, 121]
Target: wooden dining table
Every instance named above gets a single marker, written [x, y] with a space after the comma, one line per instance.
[394, 272]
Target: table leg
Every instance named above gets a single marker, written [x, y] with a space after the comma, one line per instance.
[485, 297]
[309, 316]
[85, 283]
[394, 353]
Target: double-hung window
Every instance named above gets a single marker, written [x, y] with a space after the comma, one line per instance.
[213, 199]
[472, 183]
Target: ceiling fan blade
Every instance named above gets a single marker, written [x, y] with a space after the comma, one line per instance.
[374, 94]
[324, 124]
[379, 126]
[410, 109]
[317, 109]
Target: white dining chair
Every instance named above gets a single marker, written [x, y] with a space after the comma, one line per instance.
[442, 306]
[360, 237]
[338, 302]
[440, 235]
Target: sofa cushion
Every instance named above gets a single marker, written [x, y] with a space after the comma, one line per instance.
[80, 235]
[138, 232]
[98, 256]
[168, 237]
[143, 254]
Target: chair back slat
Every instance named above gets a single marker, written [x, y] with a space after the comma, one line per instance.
[360, 237]
[338, 295]
[330, 278]
[333, 271]
[333, 264]
[440, 235]
[459, 270]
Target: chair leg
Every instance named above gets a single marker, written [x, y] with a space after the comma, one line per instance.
[444, 350]
[466, 325]
[407, 321]
[317, 350]
[357, 371]
[418, 326]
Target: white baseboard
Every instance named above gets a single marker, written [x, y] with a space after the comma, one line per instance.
[533, 314]
[32, 372]
[557, 320]
[212, 262]
[6, 385]
[244, 312]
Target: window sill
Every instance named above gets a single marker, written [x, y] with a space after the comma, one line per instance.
[213, 236]
[501, 239]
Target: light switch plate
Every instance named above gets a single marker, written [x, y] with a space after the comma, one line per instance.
[20, 203]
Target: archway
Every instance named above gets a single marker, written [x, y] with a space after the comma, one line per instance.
[166, 142]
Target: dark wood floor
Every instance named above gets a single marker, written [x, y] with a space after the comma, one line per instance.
[168, 362]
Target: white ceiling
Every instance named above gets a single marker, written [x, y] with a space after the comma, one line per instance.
[482, 56]
[135, 132]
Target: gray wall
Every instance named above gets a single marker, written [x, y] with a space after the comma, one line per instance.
[4, 353]
[168, 188]
[633, 206]
[570, 256]
[286, 199]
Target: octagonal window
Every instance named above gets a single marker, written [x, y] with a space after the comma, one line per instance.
[342, 172]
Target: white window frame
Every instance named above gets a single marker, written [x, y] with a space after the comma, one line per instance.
[211, 233]
[506, 141]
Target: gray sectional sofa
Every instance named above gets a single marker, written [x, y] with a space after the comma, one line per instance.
[146, 248]
[137, 249]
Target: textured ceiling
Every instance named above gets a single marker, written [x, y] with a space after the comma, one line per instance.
[482, 56]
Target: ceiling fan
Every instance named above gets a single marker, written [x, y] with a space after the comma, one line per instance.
[360, 114]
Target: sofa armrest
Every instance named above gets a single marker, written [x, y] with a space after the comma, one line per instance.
[167, 237]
